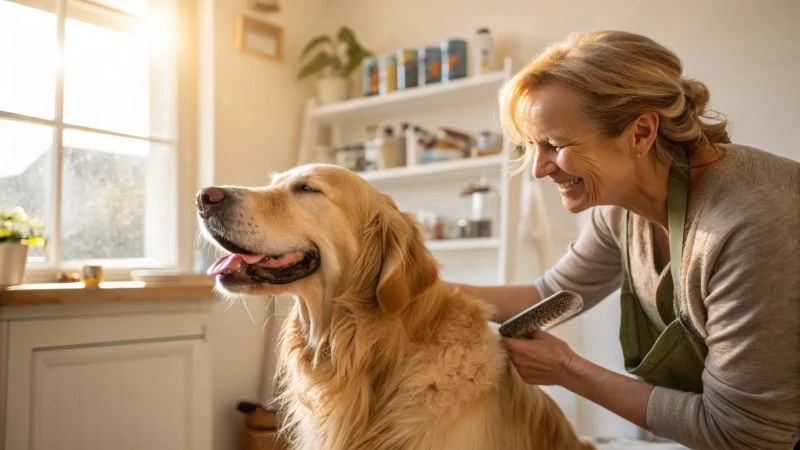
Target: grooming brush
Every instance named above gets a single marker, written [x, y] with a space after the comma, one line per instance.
[543, 315]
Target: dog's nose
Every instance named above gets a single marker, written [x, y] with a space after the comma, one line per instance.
[209, 197]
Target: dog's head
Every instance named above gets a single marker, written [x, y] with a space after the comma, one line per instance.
[316, 230]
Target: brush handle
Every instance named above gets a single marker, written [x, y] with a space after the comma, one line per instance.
[543, 315]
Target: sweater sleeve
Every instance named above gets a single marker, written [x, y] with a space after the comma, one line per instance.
[751, 381]
[591, 265]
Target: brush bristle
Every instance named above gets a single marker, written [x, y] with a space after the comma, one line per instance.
[545, 314]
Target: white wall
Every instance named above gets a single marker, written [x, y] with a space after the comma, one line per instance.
[747, 52]
[249, 125]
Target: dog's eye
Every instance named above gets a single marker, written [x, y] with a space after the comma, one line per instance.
[305, 188]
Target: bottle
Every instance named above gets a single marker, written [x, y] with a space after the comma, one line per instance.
[424, 138]
[483, 56]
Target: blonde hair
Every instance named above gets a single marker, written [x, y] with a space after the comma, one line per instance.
[617, 76]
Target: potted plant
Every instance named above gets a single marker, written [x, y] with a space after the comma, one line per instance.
[18, 231]
[333, 62]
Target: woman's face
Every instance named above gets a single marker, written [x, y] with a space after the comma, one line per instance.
[589, 169]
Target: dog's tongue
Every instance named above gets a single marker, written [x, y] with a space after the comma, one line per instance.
[233, 262]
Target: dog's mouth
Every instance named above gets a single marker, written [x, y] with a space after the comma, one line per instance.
[244, 265]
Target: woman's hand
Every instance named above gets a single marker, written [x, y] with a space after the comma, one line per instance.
[546, 360]
[542, 360]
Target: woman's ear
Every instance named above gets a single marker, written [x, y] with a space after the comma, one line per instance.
[644, 131]
[407, 267]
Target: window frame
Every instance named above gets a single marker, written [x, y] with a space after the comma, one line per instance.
[170, 223]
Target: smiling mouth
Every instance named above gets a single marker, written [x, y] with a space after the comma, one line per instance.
[245, 266]
[570, 183]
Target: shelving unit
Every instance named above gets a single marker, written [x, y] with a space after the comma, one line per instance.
[475, 255]
[460, 92]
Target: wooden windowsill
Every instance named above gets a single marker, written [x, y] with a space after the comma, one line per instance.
[107, 292]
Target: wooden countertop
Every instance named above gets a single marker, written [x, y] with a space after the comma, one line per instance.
[107, 292]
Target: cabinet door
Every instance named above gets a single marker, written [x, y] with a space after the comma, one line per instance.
[120, 383]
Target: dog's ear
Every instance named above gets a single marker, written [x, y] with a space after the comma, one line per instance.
[407, 268]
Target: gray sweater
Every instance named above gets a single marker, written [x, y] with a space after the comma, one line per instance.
[740, 285]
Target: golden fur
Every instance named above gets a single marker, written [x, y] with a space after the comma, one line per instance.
[378, 352]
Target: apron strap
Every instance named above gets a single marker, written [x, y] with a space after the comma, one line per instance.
[623, 245]
[677, 197]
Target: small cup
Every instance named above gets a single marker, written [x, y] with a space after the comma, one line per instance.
[92, 276]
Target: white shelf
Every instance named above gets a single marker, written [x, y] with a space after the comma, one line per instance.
[444, 170]
[456, 93]
[463, 244]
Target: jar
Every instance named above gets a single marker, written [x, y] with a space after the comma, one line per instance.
[92, 276]
[370, 76]
[429, 69]
[429, 225]
[483, 208]
[351, 157]
[407, 72]
[482, 52]
[454, 59]
[388, 74]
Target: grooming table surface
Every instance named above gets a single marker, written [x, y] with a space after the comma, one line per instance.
[632, 444]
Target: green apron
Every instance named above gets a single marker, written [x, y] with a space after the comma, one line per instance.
[675, 358]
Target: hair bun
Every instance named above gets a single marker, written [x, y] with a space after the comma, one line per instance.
[697, 95]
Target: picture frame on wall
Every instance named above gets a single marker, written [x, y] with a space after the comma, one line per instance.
[265, 5]
[259, 38]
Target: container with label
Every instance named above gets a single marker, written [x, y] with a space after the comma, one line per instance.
[454, 59]
[386, 151]
[351, 157]
[388, 74]
[407, 74]
[482, 52]
[430, 65]
[371, 80]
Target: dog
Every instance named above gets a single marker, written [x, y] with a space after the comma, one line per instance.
[377, 352]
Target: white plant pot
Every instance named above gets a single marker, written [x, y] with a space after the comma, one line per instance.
[332, 89]
[12, 263]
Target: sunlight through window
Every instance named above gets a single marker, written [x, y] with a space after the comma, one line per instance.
[28, 44]
[112, 133]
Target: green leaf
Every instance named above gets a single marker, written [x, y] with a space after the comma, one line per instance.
[355, 59]
[316, 65]
[355, 52]
[314, 43]
[346, 35]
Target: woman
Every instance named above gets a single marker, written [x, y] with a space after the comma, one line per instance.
[702, 235]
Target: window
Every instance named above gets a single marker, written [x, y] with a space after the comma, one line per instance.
[88, 110]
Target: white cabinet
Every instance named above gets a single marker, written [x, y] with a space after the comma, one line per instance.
[113, 381]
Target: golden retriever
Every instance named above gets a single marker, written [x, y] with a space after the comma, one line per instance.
[377, 352]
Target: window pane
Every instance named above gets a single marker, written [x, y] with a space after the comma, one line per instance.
[103, 196]
[28, 46]
[106, 79]
[135, 7]
[25, 174]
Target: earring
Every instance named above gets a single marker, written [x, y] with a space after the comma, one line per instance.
[638, 155]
